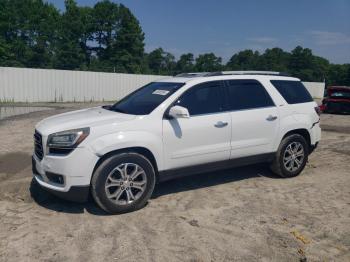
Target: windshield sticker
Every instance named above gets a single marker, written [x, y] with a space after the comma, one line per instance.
[160, 92]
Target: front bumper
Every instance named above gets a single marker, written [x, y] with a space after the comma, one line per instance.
[75, 193]
[66, 176]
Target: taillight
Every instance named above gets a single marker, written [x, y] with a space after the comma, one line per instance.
[318, 110]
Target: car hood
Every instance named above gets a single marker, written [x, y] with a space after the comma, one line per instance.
[79, 119]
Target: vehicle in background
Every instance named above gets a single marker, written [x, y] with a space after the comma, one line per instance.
[337, 100]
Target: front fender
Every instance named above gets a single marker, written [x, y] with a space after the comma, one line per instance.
[122, 140]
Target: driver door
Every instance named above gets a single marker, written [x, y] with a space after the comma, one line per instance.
[205, 136]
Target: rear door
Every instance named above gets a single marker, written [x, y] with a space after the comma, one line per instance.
[205, 136]
[254, 118]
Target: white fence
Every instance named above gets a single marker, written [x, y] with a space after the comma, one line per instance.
[42, 85]
[316, 89]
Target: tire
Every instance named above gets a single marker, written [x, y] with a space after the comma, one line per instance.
[113, 188]
[281, 165]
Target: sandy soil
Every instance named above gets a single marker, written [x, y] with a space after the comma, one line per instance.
[242, 214]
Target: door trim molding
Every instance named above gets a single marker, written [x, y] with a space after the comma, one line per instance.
[209, 167]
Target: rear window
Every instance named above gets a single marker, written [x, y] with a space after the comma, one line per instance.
[294, 92]
[340, 94]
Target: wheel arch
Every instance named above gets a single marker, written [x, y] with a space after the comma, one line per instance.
[140, 150]
[300, 131]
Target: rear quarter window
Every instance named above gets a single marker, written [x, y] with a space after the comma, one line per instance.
[294, 92]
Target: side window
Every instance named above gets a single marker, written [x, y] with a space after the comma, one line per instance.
[203, 99]
[247, 94]
[294, 92]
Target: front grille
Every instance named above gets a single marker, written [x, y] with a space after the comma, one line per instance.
[38, 145]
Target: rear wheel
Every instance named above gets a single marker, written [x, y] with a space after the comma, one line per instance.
[291, 157]
[123, 183]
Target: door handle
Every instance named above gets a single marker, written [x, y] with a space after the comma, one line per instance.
[221, 124]
[271, 118]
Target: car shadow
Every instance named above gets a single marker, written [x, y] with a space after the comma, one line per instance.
[204, 180]
[51, 202]
[193, 182]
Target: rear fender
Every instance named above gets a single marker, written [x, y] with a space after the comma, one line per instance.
[293, 122]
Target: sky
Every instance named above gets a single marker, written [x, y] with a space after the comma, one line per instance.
[226, 26]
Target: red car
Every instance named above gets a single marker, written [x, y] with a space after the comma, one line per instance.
[337, 100]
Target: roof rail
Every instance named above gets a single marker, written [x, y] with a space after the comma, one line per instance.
[271, 73]
[222, 73]
[192, 74]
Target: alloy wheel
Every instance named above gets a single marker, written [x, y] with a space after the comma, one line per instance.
[293, 156]
[126, 183]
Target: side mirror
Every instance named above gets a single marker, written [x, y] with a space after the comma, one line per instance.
[179, 112]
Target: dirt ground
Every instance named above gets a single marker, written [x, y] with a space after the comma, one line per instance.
[242, 214]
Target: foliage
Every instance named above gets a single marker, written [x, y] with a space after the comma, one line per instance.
[108, 37]
[161, 62]
[208, 63]
[27, 33]
[69, 47]
[128, 49]
[245, 60]
[185, 64]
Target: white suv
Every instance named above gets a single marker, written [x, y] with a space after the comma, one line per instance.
[187, 124]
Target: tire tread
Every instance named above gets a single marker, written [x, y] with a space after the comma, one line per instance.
[96, 176]
[277, 166]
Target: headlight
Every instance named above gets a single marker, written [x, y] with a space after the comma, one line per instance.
[68, 139]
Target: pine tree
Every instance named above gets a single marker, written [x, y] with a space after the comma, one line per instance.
[185, 63]
[208, 63]
[69, 52]
[128, 49]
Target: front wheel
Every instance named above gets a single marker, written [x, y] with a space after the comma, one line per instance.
[123, 183]
[291, 157]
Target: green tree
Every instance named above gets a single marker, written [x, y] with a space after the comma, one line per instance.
[27, 32]
[106, 21]
[338, 75]
[185, 64]
[347, 78]
[155, 61]
[70, 52]
[208, 63]
[320, 68]
[108, 37]
[244, 60]
[274, 59]
[128, 49]
[13, 32]
[87, 31]
[161, 62]
[43, 34]
[6, 56]
[301, 63]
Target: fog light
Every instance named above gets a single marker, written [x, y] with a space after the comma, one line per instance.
[55, 178]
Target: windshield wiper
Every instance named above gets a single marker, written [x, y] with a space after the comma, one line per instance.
[114, 109]
[118, 110]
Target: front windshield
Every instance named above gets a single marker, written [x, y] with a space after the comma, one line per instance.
[144, 100]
